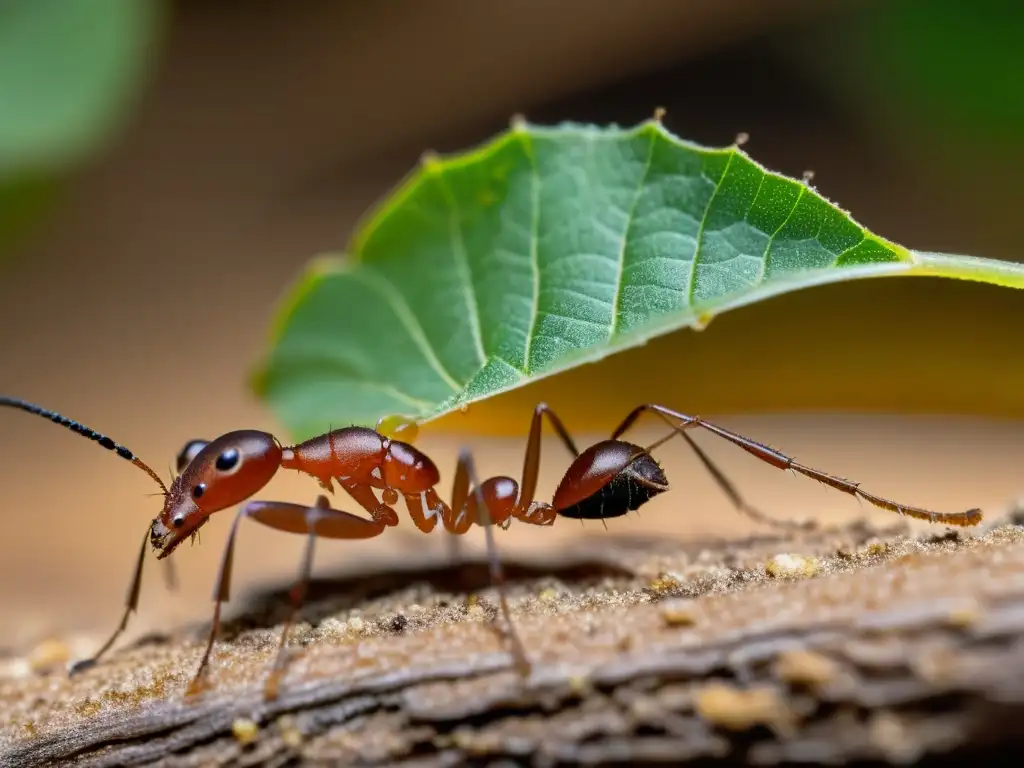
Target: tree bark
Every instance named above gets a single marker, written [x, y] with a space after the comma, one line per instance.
[838, 647]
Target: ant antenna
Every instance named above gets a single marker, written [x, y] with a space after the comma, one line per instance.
[84, 431]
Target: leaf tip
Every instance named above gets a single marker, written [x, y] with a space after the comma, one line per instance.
[518, 124]
[326, 264]
[659, 115]
[431, 161]
[742, 138]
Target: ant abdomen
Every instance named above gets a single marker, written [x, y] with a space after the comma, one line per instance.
[609, 479]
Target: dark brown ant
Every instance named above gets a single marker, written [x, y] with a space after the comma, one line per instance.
[608, 479]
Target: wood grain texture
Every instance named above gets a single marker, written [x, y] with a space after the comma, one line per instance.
[884, 647]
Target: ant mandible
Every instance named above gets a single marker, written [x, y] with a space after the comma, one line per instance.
[608, 479]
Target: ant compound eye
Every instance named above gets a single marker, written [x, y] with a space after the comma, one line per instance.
[199, 490]
[178, 520]
[189, 452]
[228, 460]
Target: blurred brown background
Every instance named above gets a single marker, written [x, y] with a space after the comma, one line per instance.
[141, 298]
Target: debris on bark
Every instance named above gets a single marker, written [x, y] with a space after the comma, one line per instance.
[893, 648]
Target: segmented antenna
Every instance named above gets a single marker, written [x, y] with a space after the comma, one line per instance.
[84, 431]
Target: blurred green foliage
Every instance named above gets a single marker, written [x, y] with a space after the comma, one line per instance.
[69, 72]
[24, 201]
[946, 70]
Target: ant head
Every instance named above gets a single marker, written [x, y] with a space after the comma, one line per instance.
[189, 452]
[216, 475]
[609, 479]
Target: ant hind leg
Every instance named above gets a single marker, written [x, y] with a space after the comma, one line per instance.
[740, 504]
[779, 460]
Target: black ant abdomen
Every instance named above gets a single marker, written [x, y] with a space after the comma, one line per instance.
[632, 486]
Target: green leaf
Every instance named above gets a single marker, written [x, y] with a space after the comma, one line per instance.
[67, 71]
[548, 248]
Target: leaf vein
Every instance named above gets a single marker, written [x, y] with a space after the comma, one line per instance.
[771, 239]
[527, 143]
[700, 231]
[572, 319]
[424, 406]
[757, 194]
[838, 256]
[463, 268]
[386, 288]
[617, 295]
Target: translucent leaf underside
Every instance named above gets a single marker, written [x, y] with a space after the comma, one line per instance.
[548, 248]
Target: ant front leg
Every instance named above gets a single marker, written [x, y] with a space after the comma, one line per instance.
[317, 520]
[681, 421]
[131, 604]
[365, 497]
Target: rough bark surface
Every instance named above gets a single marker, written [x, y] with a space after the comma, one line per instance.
[849, 646]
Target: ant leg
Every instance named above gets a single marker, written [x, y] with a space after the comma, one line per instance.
[170, 575]
[221, 593]
[781, 461]
[297, 594]
[365, 497]
[465, 478]
[290, 518]
[729, 489]
[454, 550]
[525, 508]
[725, 485]
[531, 460]
[131, 605]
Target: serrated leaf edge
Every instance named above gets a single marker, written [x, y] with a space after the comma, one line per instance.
[696, 317]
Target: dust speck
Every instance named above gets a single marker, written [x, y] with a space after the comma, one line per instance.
[679, 613]
[964, 615]
[737, 709]
[290, 733]
[665, 582]
[891, 736]
[49, 655]
[808, 668]
[245, 730]
[788, 566]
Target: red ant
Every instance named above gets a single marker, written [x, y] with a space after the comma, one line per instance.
[608, 479]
